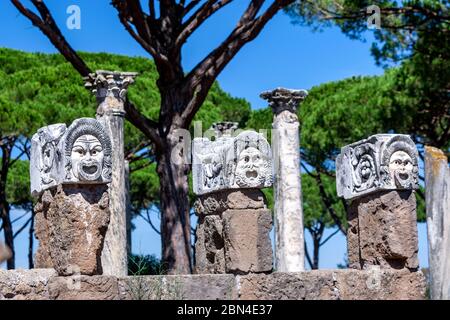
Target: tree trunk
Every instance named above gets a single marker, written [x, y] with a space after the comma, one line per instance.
[175, 220]
[315, 265]
[7, 231]
[31, 241]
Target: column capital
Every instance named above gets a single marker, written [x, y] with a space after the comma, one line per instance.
[281, 99]
[113, 84]
[225, 128]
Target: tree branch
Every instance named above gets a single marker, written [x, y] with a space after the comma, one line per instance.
[145, 125]
[203, 75]
[48, 26]
[197, 19]
[327, 203]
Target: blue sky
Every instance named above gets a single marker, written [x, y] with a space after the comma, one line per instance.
[283, 55]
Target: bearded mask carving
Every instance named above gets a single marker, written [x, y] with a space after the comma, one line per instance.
[251, 169]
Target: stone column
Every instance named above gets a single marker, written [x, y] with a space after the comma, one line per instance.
[110, 89]
[70, 169]
[128, 206]
[233, 220]
[437, 196]
[289, 237]
[378, 175]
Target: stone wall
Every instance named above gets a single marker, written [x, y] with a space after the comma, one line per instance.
[44, 284]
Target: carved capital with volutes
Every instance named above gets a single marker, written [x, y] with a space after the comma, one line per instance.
[225, 128]
[110, 84]
[281, 99]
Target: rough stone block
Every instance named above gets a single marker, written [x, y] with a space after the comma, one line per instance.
[209, 247]
[216, 203]
[375, 284]
[83, 288]
[25, 284]
[380, 284]
[247, 242]
[386, 232]
[187, 287]
[311, 285]
[71, 228]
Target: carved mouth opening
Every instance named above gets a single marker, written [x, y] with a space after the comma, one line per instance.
[403, 176]
[90, 169]
[251, 174]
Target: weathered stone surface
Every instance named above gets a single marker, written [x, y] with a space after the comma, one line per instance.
[377, 284]
[209, 247]
[387, 231]
[437, 196]
[380, 284]
[289, 238]
[246, 241]
[216, 203]
[110, 89]
[72, 226]
[188, 287]
[244, 161]
[83, 288]
[349, 284]
[25, 284]
[311, 285]
[80, 153]
[380, 162]
[5, 253]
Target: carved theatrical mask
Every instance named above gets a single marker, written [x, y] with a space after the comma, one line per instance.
[50, 155]
[380, 162]
[364, 172]
[87, 158]
[87, 152]
[251, 168]
[250, 165]
[46, 158]
[244, 161]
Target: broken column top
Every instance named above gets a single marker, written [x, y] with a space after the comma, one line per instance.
[105, 83]
[244, 161]
[225, 128]
[78, 154]
[281, 99]
[380, 162]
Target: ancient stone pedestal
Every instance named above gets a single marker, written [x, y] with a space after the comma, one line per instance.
[378, 175]
[289, 238]
[233, 221]
[70, 168]
[71, 223]
[383, 231]
[437, 196]
[110, 89]
[233, 233]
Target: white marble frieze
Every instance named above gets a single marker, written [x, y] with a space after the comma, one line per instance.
[380, 162]
[243, 161]
[78, 154]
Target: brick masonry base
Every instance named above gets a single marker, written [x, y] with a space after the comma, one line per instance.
[44, 284]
